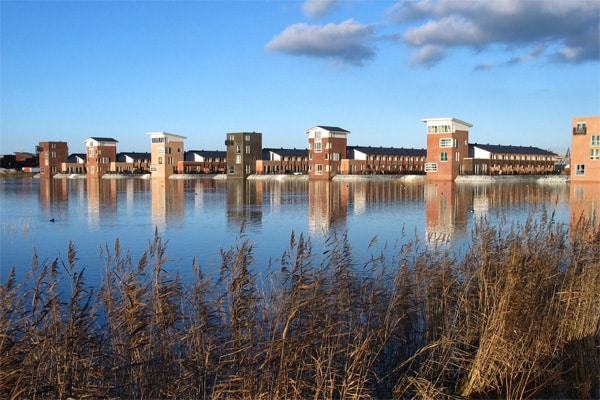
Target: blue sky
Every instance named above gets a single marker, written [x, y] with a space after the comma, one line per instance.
[518, 70]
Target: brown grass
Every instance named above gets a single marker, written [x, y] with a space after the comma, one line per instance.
[518, 316]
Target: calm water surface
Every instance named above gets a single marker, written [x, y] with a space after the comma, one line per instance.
[199, 217]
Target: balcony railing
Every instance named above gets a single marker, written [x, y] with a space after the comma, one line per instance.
[228, 142]
[579, 130]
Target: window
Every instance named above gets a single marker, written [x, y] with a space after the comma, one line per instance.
[447, 142]
[318, 147]
[444, 156]
[153, 168]
[319, 169]
[580, 169]
[595, 154]
[247, 149]
[247, 138]
[327, 156]
[160, 160]
[457, 156]
[431, 167]
[328, 168]
[318, 135]
[169, 160]
[164, 150]
[247, 169]
[336, 156]
[238, 159]
[580, 129]
[238, 149]
[595, 140]
[328, 145]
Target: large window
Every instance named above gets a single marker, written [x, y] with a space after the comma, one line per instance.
[447, 142]
[318, 147]
[431, 167]
[580, 169]
[319, 169]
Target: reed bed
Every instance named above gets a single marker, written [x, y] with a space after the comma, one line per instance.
[517, 316]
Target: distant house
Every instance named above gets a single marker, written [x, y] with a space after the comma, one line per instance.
[75, 164]
[326, 149]
[508, 160]
[131, 162]
[243, 150]
[282, 161]
[203, 162]
[167, 150]
[383, 160]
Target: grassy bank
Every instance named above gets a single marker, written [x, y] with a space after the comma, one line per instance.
[516, 317]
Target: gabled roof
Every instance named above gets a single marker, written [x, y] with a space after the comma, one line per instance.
[284, 152]
[102, 139]
[135, 155]
[72, 158]
[189, 155]
[389, 151]
[512, 149]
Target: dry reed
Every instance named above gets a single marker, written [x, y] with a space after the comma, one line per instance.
[518, 316]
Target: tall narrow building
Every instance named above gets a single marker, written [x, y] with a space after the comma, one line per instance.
[100, 151]
[243, 149]
[447, 146]
[326, 149]
[585, 149]
[166, 151]
[51, 157]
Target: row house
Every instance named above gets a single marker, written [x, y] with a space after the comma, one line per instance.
[131, 163]
[508, 160]
[101, 152]
[283, 161]
[75, 164]
[383, 160]
[203, 162]
[51, 156]
[585, 149]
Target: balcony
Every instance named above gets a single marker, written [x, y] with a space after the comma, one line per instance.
[579, 130]
[228, 142]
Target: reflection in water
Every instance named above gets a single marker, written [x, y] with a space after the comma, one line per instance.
[167, 203]
[327, 206]
[585, 201]
[244, 203]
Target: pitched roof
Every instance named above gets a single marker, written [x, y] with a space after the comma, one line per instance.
[512, 149]
[388, 151]
[332, 128]
[284, 152]
[189, 155]
[104, 139]
[135, 155]
[72, 158]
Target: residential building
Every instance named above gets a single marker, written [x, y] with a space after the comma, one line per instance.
[166, 151]
[326, 149]
[283, 161]
[75, 164]
[203, 162]
[585, 149]
[484, 159]
[447, 145]
[383, 160]
[243, 150]
[101, 152]
[131, 163]
[51, 155]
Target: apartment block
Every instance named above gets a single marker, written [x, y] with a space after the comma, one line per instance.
[243, 150]
[447, 145]
[327, 147]
[585, 149]
[166, 151]
[51, 157]
[100, 153]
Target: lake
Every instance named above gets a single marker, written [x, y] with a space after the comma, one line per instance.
[198, 217]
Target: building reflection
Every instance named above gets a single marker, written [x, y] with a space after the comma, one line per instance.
[446, 208]
[167, 202]
[584, 201]
[327, 205]
[101, 201]
[244, 202]
[54, 198]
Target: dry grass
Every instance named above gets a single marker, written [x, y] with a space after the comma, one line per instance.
[517, 317]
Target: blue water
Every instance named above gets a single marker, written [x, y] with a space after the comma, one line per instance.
[198, 217]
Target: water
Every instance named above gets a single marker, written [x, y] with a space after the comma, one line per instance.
[198, 217]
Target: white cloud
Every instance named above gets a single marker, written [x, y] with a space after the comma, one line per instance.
[318, 8]
[572, 26]
[347, 42]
